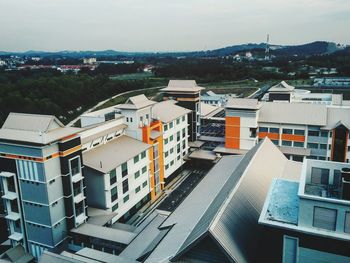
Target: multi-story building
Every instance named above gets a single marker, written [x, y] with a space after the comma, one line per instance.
[117, 169]
[315, 131]
[42, 182]
[175, 135]
[309, 220]
[187, 93]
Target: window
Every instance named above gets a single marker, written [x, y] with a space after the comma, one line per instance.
[112, 177]
[178, 147]
[336, 178]
[171, 150]
[137, 189]
[183, 132]
[313, 133]
[127, 119]
[290, 249]
[143, 154]
[178, 157]
[275, 142]
[136, 158]
[137, 174]
[325, 218]
[274, 130]
[74, 165]
[144, 169]
[172, 163]
[178, 121]
[183, 144]
[141, 119]
[114, 194]
[183, 118]
[144, 184]
[347, 222]
[287, 131]
[124, 169]
[324, 134]
[178, 137]
[125, 186]
[171, 125]
[166, 166]
[263, 129]
[147, 116]
[171, 138]
[286, 143]
[166, 154]
[130, 119]
[299, 132]
[115, 207]
[298, 144]
[319, 175]
[165, 127]
[323, 146]
[166, 141]
[312, 145]
[252, 132]
[126, 198]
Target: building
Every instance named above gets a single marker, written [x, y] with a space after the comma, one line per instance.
[309, 220]
[175, 135]
[42, 182]
[314, 131]
[89, 61]
[332, 82]
[187, 93]
[218, 220]
[212, 98]
[117, 170]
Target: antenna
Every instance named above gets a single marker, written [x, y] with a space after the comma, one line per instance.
[267, 49]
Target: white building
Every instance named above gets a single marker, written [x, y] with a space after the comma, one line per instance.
[175, 134]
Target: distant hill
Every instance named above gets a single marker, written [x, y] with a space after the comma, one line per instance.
[309, 49]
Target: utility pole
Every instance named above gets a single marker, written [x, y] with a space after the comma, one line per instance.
[267, 49]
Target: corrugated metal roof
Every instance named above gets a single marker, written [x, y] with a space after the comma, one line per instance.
[182, 86]
[103, 256]
[238, 103]
[113, 153]
[167, 111]
[293, 113]
[336, 116]
[136, 102]
[282, 87]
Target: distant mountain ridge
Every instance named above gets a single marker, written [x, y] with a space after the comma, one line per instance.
[313, 48]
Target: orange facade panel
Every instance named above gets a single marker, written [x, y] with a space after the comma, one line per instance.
[293, 137]
[232, 132]
[232, 143]
[235, 121]
[272, 136]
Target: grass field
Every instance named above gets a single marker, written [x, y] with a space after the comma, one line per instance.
[132, 76]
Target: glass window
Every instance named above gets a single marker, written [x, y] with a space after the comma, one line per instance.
[125, 186]
[144, 184]
[323, 146]
[178, 157]
[287, 131]
[114, 194]
[143, 154]
[298, 144]
[166, 141]
[137, 174]
[263, 129]
[112, 177]
[319, 175]
[290, 249]
[171, 125]
[144, 169]
[171, 150]
[275, 142]
[347, 222]
[137, 189]
[312, 145]
[178, 136]
[124, 169]
[166, 154]
[274, 130]
[178, 121]
[115, 207]
[313, 133]
[165, 127]
[166, 166]
[136, 158]
[171, 137]
[126, 198]
[286, 143]
[299, 132]
[172, 163]
[324, 134]
[325, 218]
[75, 166]
[130, 119]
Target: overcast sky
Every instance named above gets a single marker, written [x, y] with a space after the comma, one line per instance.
[168, 25]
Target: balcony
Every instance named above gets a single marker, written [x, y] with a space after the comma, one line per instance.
[10, 196]
[13, 216]
[16, 236]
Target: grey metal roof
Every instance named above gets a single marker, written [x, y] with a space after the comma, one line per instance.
[136, 102]
[101, 133]
[106, 233]
[293, 113]
[34, 128]
[238, 103]
[336, 116]
[182, 86]
[100, 256]
[113, 153]
[167, 111]
[49, 257]
[225, 206]
[282, 87]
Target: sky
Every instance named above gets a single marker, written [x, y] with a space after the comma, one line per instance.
[168, 25]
